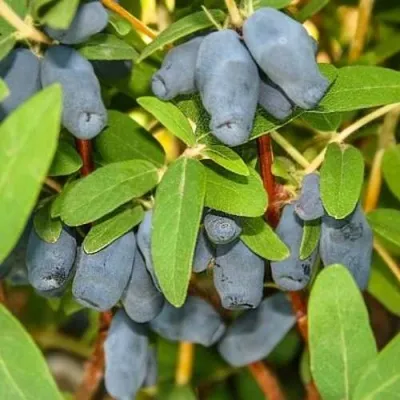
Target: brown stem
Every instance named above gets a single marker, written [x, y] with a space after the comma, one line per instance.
[267, 381]
[51, 183]
[2, 293]
[94, 369]
[185, 363]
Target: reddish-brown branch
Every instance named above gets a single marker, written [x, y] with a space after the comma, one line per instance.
[267, 381]
[94, 369]
[2, 294]
[84, 148]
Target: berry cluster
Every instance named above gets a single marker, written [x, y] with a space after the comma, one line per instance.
[84, 114]
[273, 65]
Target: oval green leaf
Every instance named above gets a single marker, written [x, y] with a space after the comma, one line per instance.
[25, 144]
[342, 176]
[110, 228]
[176, 220]
[391, 168]
[386, 223]
[123, 139]
[181, 28]
[171, 117]
[244, 196]
[47, 228]
[106, 189]
[104, 46]
[226, 158]
[381, 380]
[310, 238]
[66, 161]
[4, 91]
[262, 240]
[340, 337]
[57, 14]
[24, 373]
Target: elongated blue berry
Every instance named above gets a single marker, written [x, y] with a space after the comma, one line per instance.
[152, 369]
[50, 264]
[21, 72]
[238, 276]
[177, 73]
[292, 273]
[141, 300]
[227, 79]
[84, 114]
[348, 242]
[90, 18]
[309, 204]
[204, 252]
[102, 277]
[126, 357]
[196, 321]
[283, 49]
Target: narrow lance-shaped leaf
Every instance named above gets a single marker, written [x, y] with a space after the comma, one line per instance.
[310, 239]
[340, 337]
[47, 228]
[226, 158]
[261, 239]
[57, 14]
[342, 175]
[244, 196]
[171, 117]
[311, 8]
[66, 160]
[124, 139]
[386, 223]
[23, 144]
[381, 379]
[176, 220]
[111, 228]
[391, 168]
[106, 189]
[181, 28]
[19, 356]
[4, 91]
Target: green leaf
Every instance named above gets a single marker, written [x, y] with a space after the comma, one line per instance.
[176, 219]
[311, 8]
[4, 91]
[181, 28]
[171, 117]
[19, 7]
[121, 26]
[104, 46]
[383, 286]
[226, 158]
[261, 239]
[7, 43]
[386, 223]
[310, 239]
[342, 175]
[57, 14]
[57, 203]
[25, 144]
[47, 228]
[323, 122]
[106, 189]
[271, 3]
[340, 338]
[390, 168]
[66, 161]
[358, 87]
[235, 194]
[111, 228]
[381, 380]
[24, 373]
[123, 139]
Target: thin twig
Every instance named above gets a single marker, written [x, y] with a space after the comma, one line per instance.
[25, 30]
[84, 148]
[387, 258]
[363, 22]
[135, 22]
[184, 368]
[374, 183]
[51, 183]
[267, 381]
[2, 293]
[290, 149]
[234, 13]
[349, 131]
